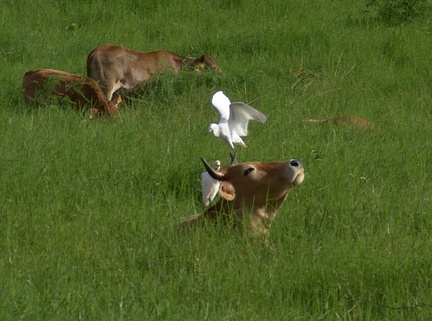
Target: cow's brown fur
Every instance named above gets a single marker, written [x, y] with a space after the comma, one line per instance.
[82, 92]
[251, 193]
[119, 68]
[353, 120]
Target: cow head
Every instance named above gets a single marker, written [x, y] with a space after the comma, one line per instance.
[110, 107]
[251, 192]
[255, 183]
[205, 62]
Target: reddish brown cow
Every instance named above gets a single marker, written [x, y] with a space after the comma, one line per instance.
[251, 193]
[118, 68]
[353, 120]
[82, 92]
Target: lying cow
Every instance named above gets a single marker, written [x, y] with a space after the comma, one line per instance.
[82, 92]
[251, 193]
[118, 68]
[353, 120]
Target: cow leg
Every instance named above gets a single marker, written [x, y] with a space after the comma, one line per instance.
[110, 90]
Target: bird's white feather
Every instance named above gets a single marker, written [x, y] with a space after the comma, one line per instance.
[209, 185]
[234, 119]
[240, 114]
[222, 104]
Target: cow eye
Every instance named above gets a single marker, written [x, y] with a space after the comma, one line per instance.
[246, 172]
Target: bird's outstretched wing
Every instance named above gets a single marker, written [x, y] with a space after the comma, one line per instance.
[240, 115]
[222, 103]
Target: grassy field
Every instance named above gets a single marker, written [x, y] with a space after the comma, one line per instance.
[87, 208]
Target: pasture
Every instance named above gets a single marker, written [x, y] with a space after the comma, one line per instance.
[87, 207]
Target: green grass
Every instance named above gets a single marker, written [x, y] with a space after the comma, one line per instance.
[87, 208]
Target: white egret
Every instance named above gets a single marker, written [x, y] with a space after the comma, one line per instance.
[209, 185]
[234, 119]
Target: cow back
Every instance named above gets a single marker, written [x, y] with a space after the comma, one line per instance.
[44, 84]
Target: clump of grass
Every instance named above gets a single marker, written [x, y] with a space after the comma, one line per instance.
[396, 12]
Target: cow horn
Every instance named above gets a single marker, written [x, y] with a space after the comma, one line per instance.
[234, 160]
[212, 172]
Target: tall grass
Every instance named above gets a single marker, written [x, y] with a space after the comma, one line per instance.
[87, 208]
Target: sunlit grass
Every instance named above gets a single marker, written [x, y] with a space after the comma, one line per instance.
[88, 207]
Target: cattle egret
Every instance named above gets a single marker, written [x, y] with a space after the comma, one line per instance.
[234, 119]
[209, 185]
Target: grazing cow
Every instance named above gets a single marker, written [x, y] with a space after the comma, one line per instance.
[251, 193]
[82, 92]
[117, 67]
[354, 120]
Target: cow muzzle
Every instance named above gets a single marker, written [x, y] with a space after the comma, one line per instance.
[295, 172]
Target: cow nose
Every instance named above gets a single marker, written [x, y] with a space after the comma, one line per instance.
[295, 163]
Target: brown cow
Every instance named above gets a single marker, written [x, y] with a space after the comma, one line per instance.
[354, 120]
[251, 193]
[117, 67]
[81, 91]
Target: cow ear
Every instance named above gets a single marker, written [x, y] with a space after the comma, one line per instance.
[227, 191]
